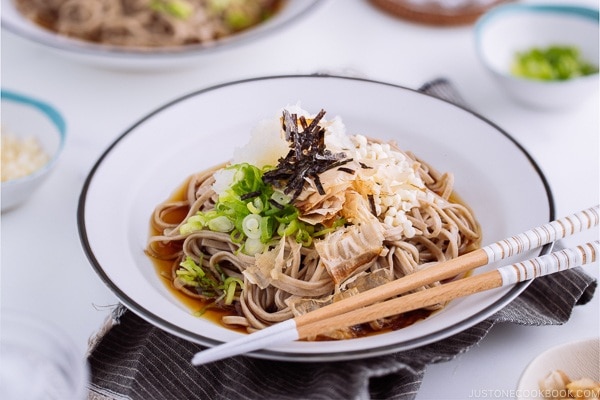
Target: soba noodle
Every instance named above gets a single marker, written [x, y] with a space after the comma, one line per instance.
[147, 23]
[288, 278]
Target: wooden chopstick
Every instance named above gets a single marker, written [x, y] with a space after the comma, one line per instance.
[504, 276]
[315, 320]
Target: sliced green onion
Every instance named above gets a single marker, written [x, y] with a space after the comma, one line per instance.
[336, 224]
[191, 267]
[267, 227]
[304, 238]
[281, 229]
[212, 304]
[221, 224]
[256, 206]
[177, 8]
[193, 224]
[253, 246]
[281, 198]
[288, 216]
[237, 236]
[552, 63]
[251, 225]
[254, 213]
[230, 285]
[192, 274]
[291, 228]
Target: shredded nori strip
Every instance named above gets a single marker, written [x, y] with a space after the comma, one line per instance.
[307, 157]
[250, 195]
[346, 170]
[276, 204]
[319, 185]
[372, 204]
[364, 166]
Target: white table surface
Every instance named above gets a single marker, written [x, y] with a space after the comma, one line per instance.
[342, 37]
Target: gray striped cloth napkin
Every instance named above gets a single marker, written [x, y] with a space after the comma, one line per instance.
[132, 359]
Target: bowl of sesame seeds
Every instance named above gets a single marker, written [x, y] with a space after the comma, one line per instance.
[33, 137]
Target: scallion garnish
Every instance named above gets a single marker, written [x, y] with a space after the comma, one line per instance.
[252, 211]
[181, 9]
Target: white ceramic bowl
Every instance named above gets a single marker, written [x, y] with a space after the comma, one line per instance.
[291, 12]
[577, 359]
[483, 159]
[508, 29]
[23, 117]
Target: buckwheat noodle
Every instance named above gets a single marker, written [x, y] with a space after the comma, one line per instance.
[444, 229]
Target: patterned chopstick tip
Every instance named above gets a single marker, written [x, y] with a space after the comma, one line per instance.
[547, 233]
[550, 263]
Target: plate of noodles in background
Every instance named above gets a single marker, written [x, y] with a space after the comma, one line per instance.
[494, 195]
[148, 34]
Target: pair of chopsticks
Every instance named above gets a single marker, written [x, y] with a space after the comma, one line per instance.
[374, 304]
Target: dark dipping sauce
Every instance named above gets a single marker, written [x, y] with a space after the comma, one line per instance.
[164, 270]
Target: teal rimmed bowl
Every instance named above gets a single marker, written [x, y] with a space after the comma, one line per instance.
[27, 117]
[518, 27]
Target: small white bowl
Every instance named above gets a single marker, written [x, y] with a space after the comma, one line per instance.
[23, 117]
[505, 30]
[577, 359]
[155, 59]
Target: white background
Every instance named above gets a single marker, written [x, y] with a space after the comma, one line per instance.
[45, 271]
